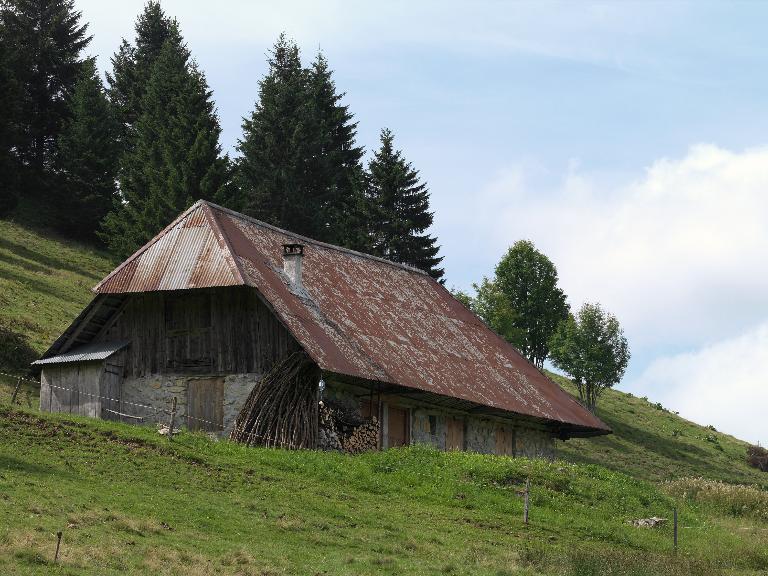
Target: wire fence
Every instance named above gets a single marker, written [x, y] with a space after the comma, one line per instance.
[133, 412]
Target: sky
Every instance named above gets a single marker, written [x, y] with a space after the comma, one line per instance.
[627, 140]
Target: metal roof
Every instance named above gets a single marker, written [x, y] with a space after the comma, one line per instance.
[358, 315]
[86, 353]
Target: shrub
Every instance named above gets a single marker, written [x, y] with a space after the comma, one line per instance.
[757, 457]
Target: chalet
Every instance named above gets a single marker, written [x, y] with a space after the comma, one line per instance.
[209, 310]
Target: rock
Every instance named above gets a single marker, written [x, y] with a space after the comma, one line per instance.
[651, 522]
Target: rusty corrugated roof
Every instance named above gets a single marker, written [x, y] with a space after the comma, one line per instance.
[359, 316]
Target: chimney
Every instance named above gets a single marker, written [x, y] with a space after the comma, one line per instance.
[292, 257]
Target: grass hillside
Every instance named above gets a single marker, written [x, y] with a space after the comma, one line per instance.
[44, 282]
[128, 500]
[652, 443]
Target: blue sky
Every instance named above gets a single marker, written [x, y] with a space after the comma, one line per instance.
[628, 140]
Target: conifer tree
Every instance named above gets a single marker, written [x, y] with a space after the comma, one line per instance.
[9, 109]
[87, 158]
[273, 149]
[175, 158]
[48, 39]
[400, 212]
[300, 167]
[132, 63]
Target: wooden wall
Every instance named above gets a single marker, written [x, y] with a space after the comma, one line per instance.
[212, 331]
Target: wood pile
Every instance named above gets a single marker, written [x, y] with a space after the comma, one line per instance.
[363, 438]
[282, 409]
[343, 429]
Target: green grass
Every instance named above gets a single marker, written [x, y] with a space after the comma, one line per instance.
[652, 443]
[44, 282]
[128, 500]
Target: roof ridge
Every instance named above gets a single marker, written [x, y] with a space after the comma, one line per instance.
[263, 224]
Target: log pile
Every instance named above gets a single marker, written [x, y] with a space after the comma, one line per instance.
[363, 438]
[343, 429]
[282, 409]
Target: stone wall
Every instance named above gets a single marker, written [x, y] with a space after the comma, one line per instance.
[481, 434]
[158, 390]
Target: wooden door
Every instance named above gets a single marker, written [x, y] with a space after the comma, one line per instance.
[112, 392]
[454, 438]
[397, 427]
[205, 404]
[505, 441]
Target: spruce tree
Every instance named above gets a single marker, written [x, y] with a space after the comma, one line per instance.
[133, 63]
[9, 110]
[335, 173]
[175, 158]
[274, 149]
[87, 158]
[300, 167]
[400, 212]
[47, 38]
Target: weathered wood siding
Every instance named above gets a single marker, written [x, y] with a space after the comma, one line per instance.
[72, 388]
[210, 331]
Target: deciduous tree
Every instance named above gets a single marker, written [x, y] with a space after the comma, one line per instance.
[592, 350]
[528, 280]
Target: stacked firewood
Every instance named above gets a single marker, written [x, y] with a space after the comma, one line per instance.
[343, 429]
[362, 438]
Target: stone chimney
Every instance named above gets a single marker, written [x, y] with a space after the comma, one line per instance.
[292, 257]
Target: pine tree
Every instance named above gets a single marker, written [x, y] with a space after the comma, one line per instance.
[48, 39]
[87, 158]
[400, 211]
[175, 158]
[132, 63]
[335, 173]
[300, 167]
[274, 150]
[9, 110]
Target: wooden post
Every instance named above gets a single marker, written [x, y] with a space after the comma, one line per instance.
[674, 529]
[16, 391]
[58, 544]
[526, 497]
[173, 417]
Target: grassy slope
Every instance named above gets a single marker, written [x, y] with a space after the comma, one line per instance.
[652, 443]
[127, 499]
[44, 282]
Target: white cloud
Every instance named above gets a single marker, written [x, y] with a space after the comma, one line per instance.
[725, 384]
[678, 255]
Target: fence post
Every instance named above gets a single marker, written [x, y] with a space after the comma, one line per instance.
[525, 504]
[674, 530]
[173, 417]
[16, 391]
[58, 544]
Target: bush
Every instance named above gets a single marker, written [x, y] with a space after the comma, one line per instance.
[757, 457]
